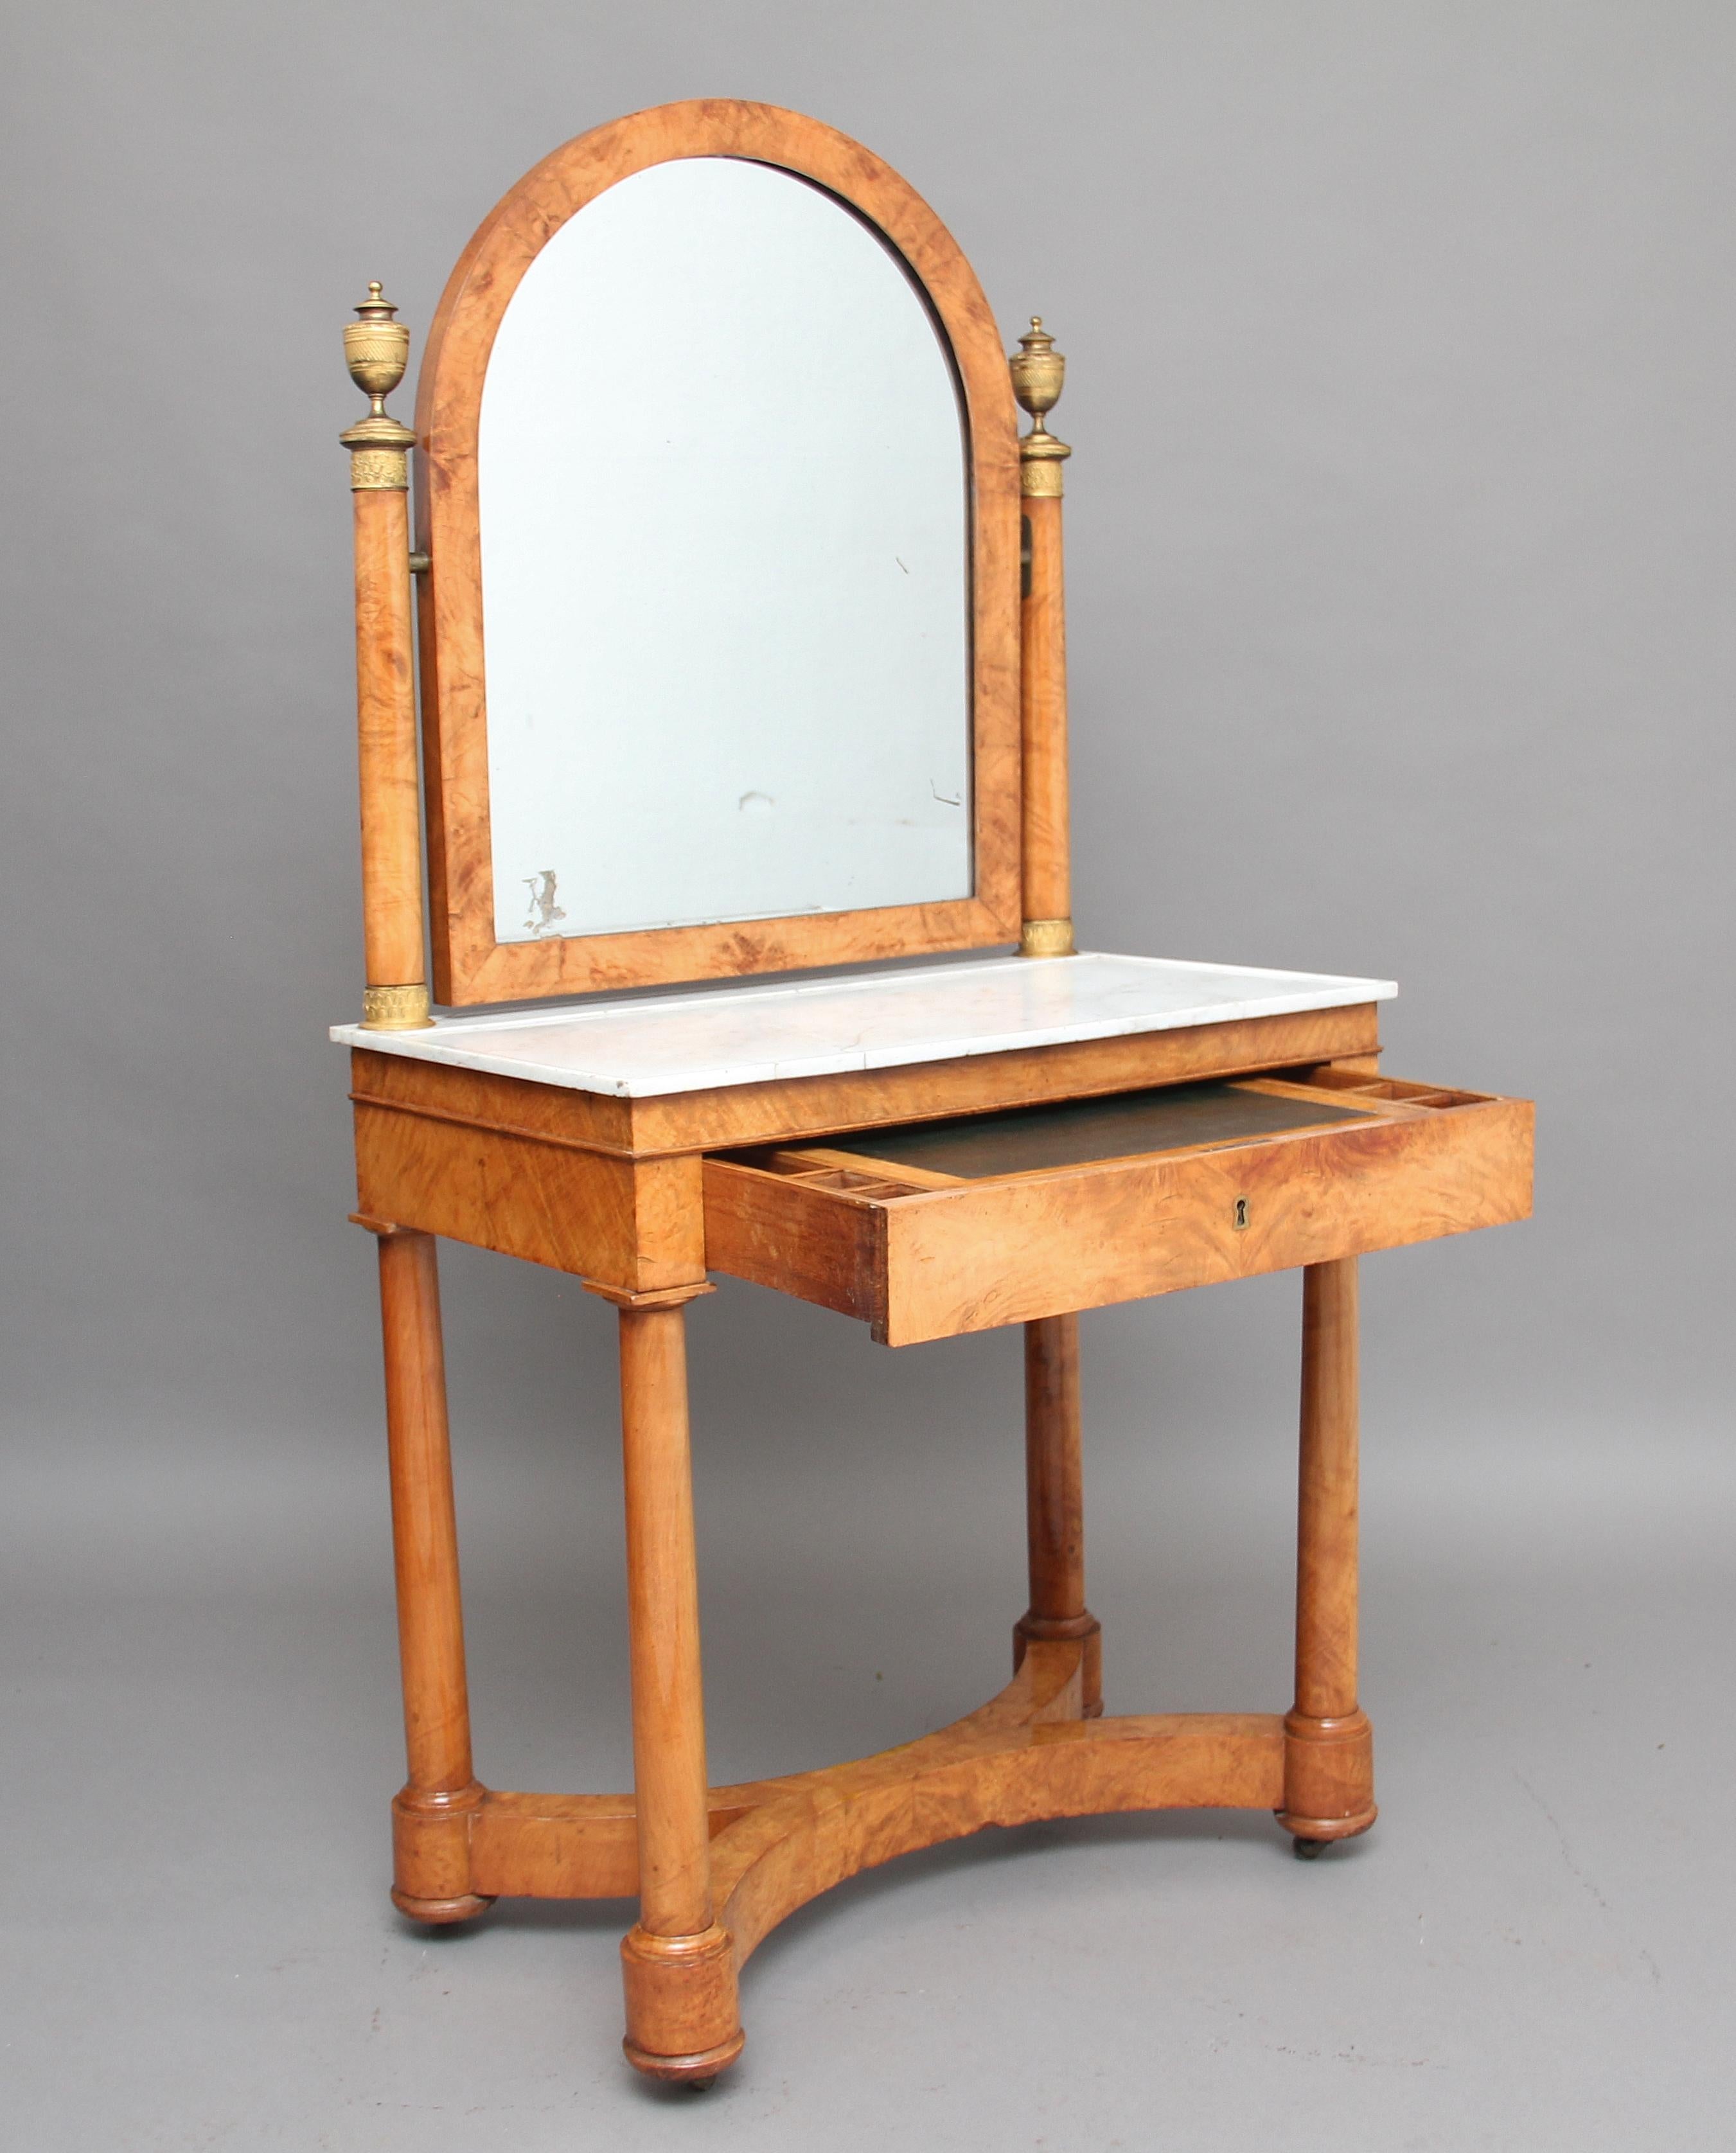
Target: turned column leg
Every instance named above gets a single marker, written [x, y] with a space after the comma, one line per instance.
[1055, 1504]
[431, 1818]
[1328, 1750]
[678, 1966]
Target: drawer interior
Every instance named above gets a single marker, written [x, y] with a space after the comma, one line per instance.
[877, 1164]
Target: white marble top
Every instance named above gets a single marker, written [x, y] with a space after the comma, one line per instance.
[744, 1034]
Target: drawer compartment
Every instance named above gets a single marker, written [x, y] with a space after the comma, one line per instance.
[931, 1229]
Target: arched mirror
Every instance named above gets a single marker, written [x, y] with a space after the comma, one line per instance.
[721, 491]
[720, 651]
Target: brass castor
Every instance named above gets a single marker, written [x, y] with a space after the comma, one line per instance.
[1309, 1850]
[699, 2085]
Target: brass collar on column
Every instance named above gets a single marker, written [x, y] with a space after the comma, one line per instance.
[1046, 938]
[395, 1009]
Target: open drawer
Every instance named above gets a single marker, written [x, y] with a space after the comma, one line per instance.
[930, 1229]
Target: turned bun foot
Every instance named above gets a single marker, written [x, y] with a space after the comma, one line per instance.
[682, 2023]
[441, 1912]
[1319, 1831]
[698, 2073]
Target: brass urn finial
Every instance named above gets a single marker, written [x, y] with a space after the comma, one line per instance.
[1038, 371]
[376, 348]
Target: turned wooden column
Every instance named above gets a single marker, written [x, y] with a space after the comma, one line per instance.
[678, 1966]
[377, 348]
[431, 1818]
[1055, 1504]
[1038, 371]
[1328, 1752]
[1053, 1495]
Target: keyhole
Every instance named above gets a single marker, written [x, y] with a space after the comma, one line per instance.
[1241, 1213]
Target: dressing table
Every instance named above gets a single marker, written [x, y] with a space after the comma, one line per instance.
[739, 634]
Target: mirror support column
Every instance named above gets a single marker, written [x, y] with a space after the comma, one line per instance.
[1038, 370]
[377, 348]
[1054, 1495]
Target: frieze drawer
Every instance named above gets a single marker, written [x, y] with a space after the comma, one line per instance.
[930, 1229]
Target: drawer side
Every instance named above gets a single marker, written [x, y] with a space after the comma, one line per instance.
[779, 1232]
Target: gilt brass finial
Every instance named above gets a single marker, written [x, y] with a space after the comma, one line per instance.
[376, 348]
[1038, 371]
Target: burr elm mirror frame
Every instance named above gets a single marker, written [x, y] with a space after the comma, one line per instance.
[718, 490]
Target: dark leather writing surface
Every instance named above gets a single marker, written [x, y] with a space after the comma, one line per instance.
[976, 1146]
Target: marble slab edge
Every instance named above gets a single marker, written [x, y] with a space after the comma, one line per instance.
[439, 1044]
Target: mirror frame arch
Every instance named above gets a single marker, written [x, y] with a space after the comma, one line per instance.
[469, 966]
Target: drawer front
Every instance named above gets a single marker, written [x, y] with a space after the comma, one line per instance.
[920, 1256]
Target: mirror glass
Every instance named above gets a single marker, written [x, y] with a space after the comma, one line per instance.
[722, 491]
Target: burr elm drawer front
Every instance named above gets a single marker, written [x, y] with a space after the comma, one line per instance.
[928, 1230]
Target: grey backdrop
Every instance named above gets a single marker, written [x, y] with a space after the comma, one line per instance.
[1400, 555]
